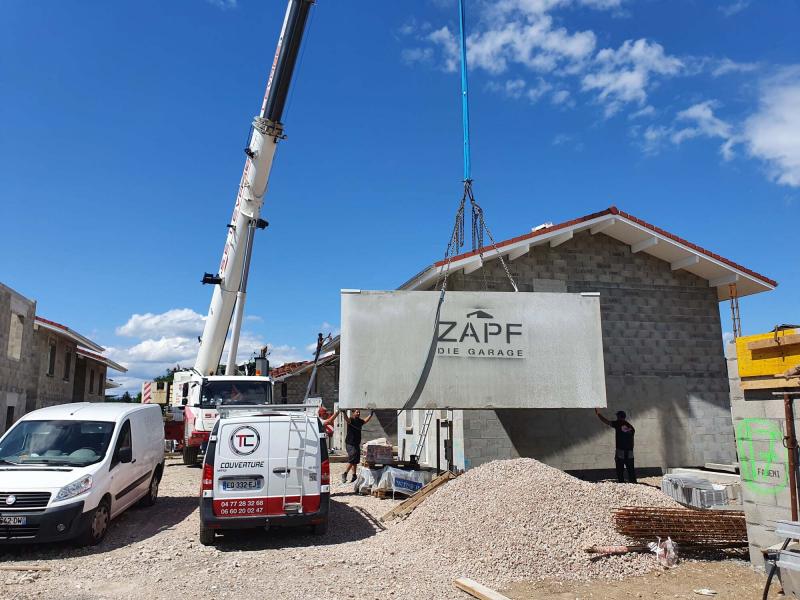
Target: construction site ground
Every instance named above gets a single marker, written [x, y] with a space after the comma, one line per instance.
[154, 553]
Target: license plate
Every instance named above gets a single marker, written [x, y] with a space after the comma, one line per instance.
[13, 520]
[250, 483]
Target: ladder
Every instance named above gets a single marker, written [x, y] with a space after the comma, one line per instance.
[423, 435]
[295, 459]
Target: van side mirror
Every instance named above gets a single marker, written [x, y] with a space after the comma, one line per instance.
[125, 455]
[184, 401]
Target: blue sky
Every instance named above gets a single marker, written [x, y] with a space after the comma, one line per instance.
[122, 126]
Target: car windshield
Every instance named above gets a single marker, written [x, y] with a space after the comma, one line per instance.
[235, 393]
[73, 443]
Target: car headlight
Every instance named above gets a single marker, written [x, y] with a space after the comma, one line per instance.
[84, 484]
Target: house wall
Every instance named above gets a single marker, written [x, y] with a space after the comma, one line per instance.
[664, 362]
[83, 391]
[17, 369]
[56, 388]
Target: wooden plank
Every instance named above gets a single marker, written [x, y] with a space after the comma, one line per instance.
[477, 590]
[784, 340]
[408, 505]
[769, 383]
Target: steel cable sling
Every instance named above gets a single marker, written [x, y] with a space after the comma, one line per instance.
[456, 240]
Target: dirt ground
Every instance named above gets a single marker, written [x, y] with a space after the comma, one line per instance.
[730, 579]
[154, 554]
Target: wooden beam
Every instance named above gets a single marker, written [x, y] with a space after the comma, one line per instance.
[410, 503]
[473, 266]
[521, 251]
[769, 383]
[476, 590]
[724, 280]
[602, 226]
[783, 340]
[644, 244]
[560, 239]
[690, 260]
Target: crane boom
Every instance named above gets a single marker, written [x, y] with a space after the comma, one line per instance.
[230, 284]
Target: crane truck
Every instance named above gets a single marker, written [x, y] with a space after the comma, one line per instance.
[201, 390]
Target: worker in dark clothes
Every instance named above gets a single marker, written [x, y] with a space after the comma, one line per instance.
[623, 457]
[352, 441]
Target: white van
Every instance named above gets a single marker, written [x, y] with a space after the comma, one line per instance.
[67, 470]
[268, 468]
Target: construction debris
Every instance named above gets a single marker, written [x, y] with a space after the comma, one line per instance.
[704, 528]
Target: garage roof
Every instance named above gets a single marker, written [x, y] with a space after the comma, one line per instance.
[640, 235]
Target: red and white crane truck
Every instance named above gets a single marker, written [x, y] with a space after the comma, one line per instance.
[201, 390]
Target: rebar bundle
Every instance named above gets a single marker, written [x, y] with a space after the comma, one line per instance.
[717, 529]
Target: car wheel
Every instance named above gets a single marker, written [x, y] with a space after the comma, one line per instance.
[207, 536]
[150, 498]
[99, 520]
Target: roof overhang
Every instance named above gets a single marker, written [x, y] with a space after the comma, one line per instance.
[64, 331]
[639, 235]
[101, 359]
[323, 360]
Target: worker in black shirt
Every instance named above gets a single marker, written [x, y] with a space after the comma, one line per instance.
[623, 457]
[352, 441]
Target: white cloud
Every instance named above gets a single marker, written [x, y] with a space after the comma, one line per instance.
[560, 97]
[446, 40]
[561, 139]
[703, 123]
[411, 56]
[178, 321]
[622, 75]
[772, 133]
[169, 339]
[647, 111]
[224, 4]
[734, 7]
[726, 66]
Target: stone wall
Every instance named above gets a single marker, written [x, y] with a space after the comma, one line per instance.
[89, 384]
[664, 362]
[17, 356]
[55, 388]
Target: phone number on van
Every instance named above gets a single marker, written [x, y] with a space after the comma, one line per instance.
[231, 508]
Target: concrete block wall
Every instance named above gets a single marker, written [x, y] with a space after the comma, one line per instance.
[759, 421]
[17, 375]
[664, 362]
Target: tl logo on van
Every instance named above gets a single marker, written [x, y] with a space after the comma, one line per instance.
[244, 440]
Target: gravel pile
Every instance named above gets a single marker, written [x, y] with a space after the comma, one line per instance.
[504, 521]
[520, 519]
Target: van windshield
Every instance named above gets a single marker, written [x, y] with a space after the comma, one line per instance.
[235, 393]
[72, 443]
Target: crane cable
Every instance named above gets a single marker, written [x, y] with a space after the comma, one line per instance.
[479, 226]
[456, 240]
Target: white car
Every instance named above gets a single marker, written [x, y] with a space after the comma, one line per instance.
[265, 469]
[67, 470]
